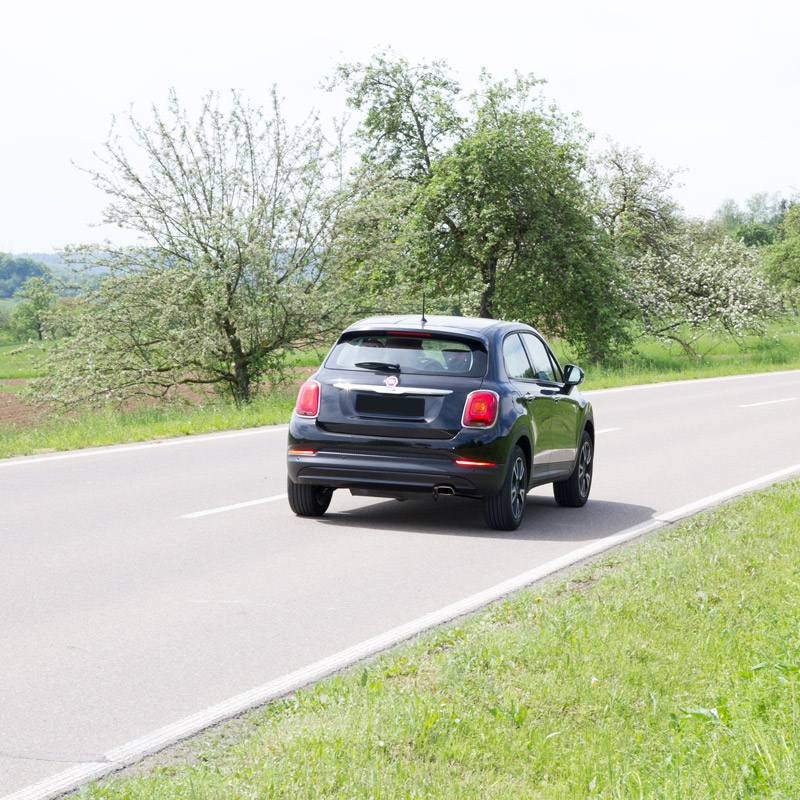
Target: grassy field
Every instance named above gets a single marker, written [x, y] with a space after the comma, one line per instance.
[667, 669]
[93, 428]
[652, 362]
[21, 359]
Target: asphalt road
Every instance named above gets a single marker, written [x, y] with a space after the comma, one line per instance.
[124, 606]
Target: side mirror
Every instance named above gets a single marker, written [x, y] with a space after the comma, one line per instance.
[572, 375]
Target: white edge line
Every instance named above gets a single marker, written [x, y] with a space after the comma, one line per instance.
[125, 448]
[607, 430]
[247, 503]
[136, 750]
[768, 402]
[93, 451]
[688, 382]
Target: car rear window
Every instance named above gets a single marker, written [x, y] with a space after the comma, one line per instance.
[429, 353]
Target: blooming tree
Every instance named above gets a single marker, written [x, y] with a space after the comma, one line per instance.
[706, 284]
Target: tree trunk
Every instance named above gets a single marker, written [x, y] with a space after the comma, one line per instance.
[242, 385]
[241, 374]
[489, 274]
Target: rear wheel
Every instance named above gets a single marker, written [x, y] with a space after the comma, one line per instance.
[504, 511]
[574, 491]
[307, 500]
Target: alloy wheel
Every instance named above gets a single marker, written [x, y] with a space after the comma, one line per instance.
[585, 468]
[518, 488]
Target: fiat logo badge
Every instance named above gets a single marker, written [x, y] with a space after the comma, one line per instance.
[392, 381]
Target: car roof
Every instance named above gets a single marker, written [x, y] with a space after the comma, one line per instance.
[475, 326]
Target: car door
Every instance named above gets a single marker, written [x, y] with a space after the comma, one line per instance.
[564, 413]
[536, 405]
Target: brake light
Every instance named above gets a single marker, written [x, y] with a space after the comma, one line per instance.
[480, 410]
[307, 400]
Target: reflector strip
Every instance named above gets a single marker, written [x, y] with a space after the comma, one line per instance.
[302, 452]
[462, 462]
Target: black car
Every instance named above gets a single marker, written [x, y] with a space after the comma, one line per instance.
[462, 406]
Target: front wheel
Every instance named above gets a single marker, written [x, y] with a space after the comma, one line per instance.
[574, 491]
[307, 500]
[504, 511]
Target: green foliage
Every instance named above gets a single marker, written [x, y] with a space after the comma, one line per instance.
[758, 223]
[782, 259]
[631, 198]
[755, 234]
[235, 214]
[15, 271]
[5, 323]
[29, 317]
[410, 112]
[482, 206]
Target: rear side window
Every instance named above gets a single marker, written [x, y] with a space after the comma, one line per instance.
[435, 354]
[517, 364]
[542, 365]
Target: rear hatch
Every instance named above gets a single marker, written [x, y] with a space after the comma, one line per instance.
[399, 384]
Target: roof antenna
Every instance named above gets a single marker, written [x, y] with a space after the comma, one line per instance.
[423, 310]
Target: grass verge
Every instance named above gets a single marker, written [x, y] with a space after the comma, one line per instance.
[22, 359]
[96, 428]
[667, 669]
[651, 363]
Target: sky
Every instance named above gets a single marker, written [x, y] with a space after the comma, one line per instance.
[712, 88]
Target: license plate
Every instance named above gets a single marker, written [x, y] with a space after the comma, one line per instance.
[390, 405]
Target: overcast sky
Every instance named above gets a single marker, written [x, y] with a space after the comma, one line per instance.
[711, 87]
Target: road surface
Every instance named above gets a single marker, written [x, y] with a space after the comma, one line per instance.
[141, 584]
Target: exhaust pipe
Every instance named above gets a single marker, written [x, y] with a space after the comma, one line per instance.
[442, 489]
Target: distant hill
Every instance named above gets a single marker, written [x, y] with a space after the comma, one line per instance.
[50, 259]
[14, 271]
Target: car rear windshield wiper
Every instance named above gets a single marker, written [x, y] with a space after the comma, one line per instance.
[382, 366]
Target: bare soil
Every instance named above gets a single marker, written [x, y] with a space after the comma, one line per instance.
[14, 412]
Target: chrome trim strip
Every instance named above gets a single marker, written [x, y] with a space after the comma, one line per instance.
[346, 386]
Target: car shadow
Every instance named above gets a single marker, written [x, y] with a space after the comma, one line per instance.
[451, 516]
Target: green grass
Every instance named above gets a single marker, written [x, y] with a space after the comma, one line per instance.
[668, 669]
[651, 363]
[22, 359]
[93, 428]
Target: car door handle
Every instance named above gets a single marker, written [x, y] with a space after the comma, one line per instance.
[528, 397]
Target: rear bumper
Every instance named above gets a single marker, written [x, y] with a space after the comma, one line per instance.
[389, 473]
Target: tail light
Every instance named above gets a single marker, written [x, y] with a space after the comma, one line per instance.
[307, 400]
[480, 410]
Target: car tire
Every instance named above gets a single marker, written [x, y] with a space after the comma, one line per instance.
[307, 500]
[504, 510]
[574, 491]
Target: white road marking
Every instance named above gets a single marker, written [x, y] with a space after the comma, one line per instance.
[127, 448]
[639, 386]
[93, 451]
[768, 402]
[136, 750]
[196, 514]
[233, 507]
